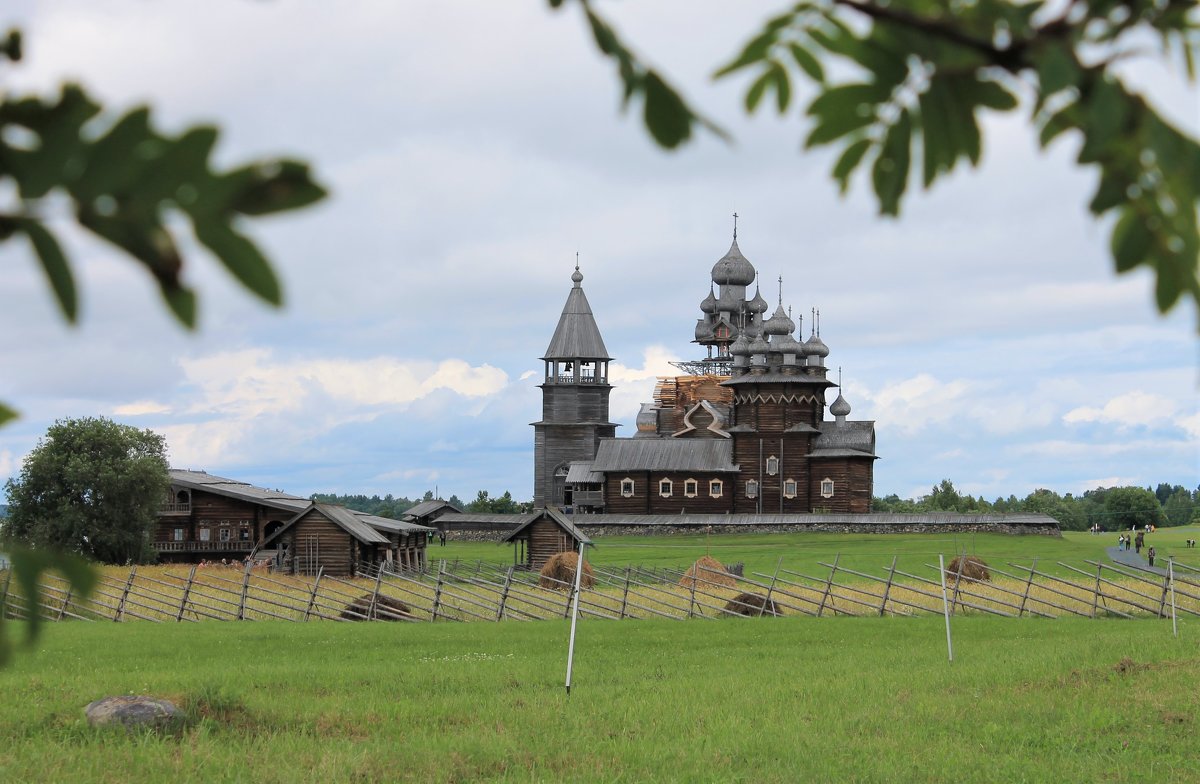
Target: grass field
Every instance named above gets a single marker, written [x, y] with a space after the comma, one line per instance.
[755, 700]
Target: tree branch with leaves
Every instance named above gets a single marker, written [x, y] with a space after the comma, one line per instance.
[926, 70]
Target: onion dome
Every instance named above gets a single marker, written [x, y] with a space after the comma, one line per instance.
[840, 407]
[779, 323]
[758, 304]
[741, 346]
[733, 268]
[729, 301]
[709, 305]
[759, 345]
[577, 276]
[786, 344]
[703, 329]
[814, 346]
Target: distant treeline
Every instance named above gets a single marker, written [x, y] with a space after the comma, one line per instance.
[1110, 508]
[390, 506]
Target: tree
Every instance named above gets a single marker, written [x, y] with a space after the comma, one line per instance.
[1179, 508]
[924, 70]
[1126, 507]
[92, 487]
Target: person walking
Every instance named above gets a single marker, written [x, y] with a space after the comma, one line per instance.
[1150, 556]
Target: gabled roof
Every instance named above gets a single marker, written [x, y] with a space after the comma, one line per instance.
[841, 436]
[664, 454]
[426, 508]
[563, 522]
[577, 336]
[232, 488]
[582, 473]
[341, 517]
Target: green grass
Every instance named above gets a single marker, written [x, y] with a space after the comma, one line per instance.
[756, 700]
[804, 552]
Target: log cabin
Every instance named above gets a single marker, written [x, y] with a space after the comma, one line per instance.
[208, 517]
[540, 534]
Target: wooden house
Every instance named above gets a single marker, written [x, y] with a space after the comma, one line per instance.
[208, 517]
[541, 534]
[428, 512]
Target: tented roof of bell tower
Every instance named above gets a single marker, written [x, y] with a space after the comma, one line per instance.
[576, 336]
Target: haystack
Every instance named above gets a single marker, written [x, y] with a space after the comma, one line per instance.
[974, 569]
[752, 605]
[387, 608]
[707, 573]
[559, 572]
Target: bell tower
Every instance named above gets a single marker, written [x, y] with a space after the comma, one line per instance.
[575, 392]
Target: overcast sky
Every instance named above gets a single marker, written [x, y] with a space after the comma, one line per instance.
[472, 148]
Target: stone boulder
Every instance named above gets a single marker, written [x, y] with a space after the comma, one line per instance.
[130, 711]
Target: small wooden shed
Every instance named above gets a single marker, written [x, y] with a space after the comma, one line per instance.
[334, 539]
[542, 533]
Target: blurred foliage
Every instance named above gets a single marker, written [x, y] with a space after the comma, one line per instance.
[923, 71]
[123, 181]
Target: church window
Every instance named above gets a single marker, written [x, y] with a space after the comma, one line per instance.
[789, 488]
[178, 534]
[827, 488]
[627, 488]
[752, 488]
[722, 332]
[664, 488]
[691, 488]
[772, 465]
[224, 534]
[205, 533]
[716, 488]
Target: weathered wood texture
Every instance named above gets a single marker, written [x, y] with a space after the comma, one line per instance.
[316, 542]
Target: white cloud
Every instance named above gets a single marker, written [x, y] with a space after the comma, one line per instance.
[916, 403]
[1127, 410]
[141, 408]
[635, 385]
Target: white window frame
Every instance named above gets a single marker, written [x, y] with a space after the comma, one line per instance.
[790, 488]
[827, 488]
[668, 484]
[628, 487]
[752, 488]
[226, 534]
[205, 533]
[716, 488]
[772, 465]
[177, 535]
[691, 488]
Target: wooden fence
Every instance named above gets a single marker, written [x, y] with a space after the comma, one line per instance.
[480, 591]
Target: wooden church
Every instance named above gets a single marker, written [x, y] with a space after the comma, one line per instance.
[746, 429]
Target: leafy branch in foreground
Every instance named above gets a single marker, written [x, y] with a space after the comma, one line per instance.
[123, 179]
[926, 69]
[27, 566]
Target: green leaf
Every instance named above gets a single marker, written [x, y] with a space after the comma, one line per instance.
[849, 98]
[1105, 111]
[848, 162]
[6, 414]
[937, 151]
[111, 159]
[241, 257]
[182, 302]
[991, 94]
[807, 62]
[1111, 192]
[755, 93]
[54, 263]
[1062, 120]
[276, 187]
[890, 173]
[1056, 68]
[754, 51]
[667, 117]
[783, 89]
[142, 237]
[1131, 240]
[836, 127]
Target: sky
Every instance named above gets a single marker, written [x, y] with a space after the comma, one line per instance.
[472, 148]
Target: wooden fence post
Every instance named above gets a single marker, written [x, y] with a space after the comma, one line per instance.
[371, 608]
[4, 593]
[771, 589]
[828, 595]
[124, 595]
[1096, 595]
[312, 599]
[887, 589]
[187, 590]
[241, 613]
[66, 601]
[624, 596]
[692, 599]
[1162, 602]
[1028, 585]
[437, 591]
[508, 575]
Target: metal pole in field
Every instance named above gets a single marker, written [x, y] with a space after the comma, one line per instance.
[1171, 580]
[574, 615]
[945, 605]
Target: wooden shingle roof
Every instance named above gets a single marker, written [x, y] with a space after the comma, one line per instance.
[664, 454]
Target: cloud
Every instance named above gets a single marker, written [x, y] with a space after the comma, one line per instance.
[141, 408]
[915, 403]
[1130, 409]
[635, 385]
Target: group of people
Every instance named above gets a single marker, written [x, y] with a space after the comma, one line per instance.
[236, 564]
[1139, 541]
